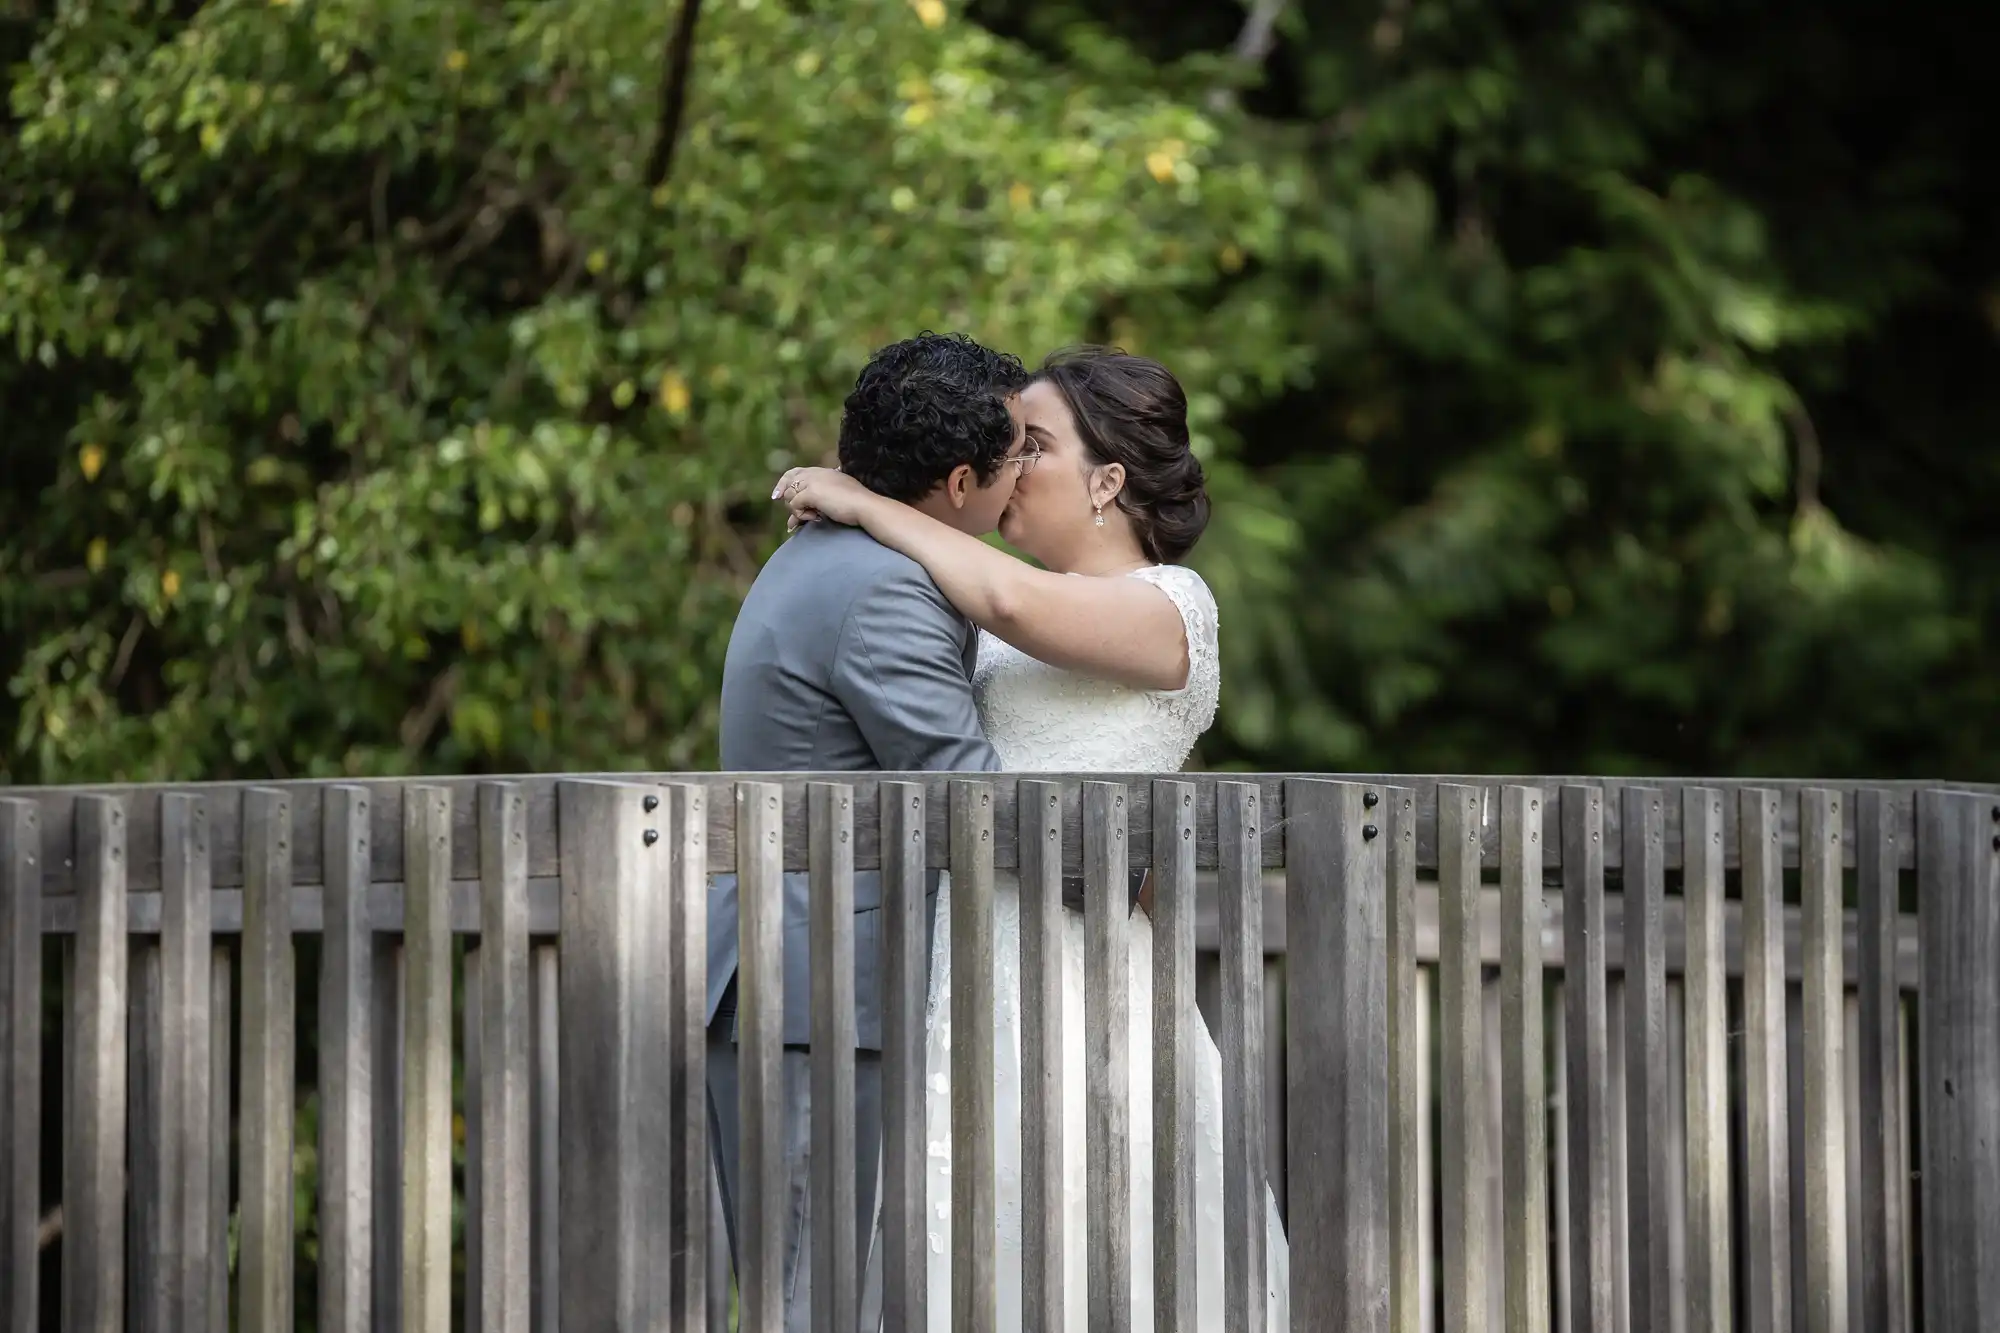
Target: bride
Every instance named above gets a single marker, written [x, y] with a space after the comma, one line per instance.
[1103, 661]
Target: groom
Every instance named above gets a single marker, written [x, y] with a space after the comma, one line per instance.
[846, 658]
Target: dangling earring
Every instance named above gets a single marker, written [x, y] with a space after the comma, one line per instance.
[1100, 514]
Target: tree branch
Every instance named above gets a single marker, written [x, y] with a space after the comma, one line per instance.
[673, 94]
[1253, 45]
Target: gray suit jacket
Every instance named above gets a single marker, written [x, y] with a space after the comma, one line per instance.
[844, 658]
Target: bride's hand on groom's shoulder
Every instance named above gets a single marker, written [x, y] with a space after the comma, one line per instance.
[820, 492]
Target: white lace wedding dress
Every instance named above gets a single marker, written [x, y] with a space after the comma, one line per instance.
[1045, 720]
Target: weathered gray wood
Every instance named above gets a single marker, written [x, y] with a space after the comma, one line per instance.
[1588, 1071]
[905, 968]
[1107, 1070]
[183, 1106]
[612, 1056]
[545, 1143]
[1675, 1111]
[1043, 1219]
[1524, 1154]
[1708, 1287]
[974, 1184]
[346, 1065]
[386, 1108]
[504, 1070]
[94, 1192]
[761, 1211]
[836, 1295]
[1958, 889]
[1463, 1149]
[265, 1264]
[219, 1065]
[224, 801]
[1646, 1054]
[426, 1258]
[1766, 1142]
[20, 1061]
[687, 1216]
[1240, 904]
[1560, 1236]
[1878, 1146]
[1824, 1163]
[1337, 1056]
[646, 1077]
[146, 1163]
[1173, 1057]
[473, 1081]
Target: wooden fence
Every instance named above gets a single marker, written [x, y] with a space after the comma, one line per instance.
[1499, 1110]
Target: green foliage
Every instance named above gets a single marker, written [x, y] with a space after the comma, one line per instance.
[369, 410]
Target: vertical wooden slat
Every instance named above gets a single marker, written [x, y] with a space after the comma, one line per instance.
[472, 1080]
[220, 976]
[1427, 1278]
[386, 1108]
[545, 1143]
[1240, 908]
[1766, 1145]
[1587, 1075]
[265, 1265]
[186, 915]
[836, 1301]
[1043, 1224]
[1958, 1052]
[1877, 1154]
[1674, 1109]
[1493, 1187]
[20, 1061]
[94, 1196]
[1708, 1285]
[1646, 1057]
[1824, 1164]
[1173, 1058]
[346, 1094]
[426, 1057]
[1559, 1132]
[1107, 1136]
[905, 967]
[760, 981]
[974, 1184]
[612, 1052]
[645, 1178]
[1337, 1028]
[687, 1220]
[146, 1161]
[1524, 1155]
[1462, 1084]
[1615, 1113]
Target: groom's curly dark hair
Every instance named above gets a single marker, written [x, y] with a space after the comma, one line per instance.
[925, 405]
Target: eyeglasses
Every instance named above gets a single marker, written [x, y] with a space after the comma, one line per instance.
[1031, 454]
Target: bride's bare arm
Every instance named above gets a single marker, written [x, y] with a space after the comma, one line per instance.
[1125, 630]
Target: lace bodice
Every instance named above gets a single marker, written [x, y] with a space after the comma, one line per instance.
[1042, 719]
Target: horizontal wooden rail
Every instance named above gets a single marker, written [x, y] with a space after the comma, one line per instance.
[223, 802]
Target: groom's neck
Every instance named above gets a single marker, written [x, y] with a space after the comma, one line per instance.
[942, 509]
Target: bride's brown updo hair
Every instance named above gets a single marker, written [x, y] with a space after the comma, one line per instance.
[1132, 411]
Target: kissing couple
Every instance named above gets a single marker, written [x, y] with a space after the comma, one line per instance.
[886, 635]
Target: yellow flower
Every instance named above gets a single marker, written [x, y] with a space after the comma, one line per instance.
[95, 556]
[916, 113]
[930, 13]
[1019, 195]
[170, 584]
[674, 395]
[1231, 259]
[456, 61]
[91, 459]
[807, 64]
[623, 395]
[597, 261]
[1161, 164]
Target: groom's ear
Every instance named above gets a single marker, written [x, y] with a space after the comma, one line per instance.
[958, 485]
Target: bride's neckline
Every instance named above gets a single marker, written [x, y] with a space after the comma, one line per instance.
[1113, 573]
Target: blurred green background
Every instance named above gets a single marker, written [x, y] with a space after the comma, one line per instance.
[1587, 385]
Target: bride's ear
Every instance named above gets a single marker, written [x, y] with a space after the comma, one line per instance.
[1106, 482]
